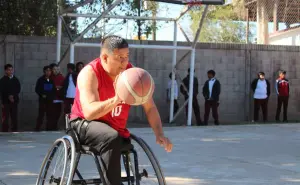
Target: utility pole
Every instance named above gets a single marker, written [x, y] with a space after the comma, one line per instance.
[139, 21]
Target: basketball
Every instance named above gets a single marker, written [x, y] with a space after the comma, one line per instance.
[135, 86]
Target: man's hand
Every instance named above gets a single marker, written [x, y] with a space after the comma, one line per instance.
[164, 142]
[117, 98]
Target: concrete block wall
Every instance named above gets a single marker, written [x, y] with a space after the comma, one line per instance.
[236, 66]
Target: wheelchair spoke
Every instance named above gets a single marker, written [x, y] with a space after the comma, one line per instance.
[53, 166]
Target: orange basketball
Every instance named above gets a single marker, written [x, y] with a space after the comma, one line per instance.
[135, 86]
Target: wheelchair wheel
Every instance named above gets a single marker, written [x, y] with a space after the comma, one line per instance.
[148, 169]
[54, 164]
[58, 164]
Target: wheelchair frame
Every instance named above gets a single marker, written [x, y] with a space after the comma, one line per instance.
[73, 151]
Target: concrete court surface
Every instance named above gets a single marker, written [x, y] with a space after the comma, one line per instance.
[223, 155]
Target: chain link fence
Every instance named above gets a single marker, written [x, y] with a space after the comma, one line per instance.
[251, 21]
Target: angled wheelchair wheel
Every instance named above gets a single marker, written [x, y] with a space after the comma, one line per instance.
[58, 164]
[147, 170]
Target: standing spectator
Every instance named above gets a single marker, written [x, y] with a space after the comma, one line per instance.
[261, 88]
[211, 92]
[186, 82]
[175, 93]
[283, 90]
[58, 80]
[69, 88]
[45, 89]
[10, 89]
[79, 66]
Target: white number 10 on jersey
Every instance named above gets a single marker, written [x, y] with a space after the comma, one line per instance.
[116, 111]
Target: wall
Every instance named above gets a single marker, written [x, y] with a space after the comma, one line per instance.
[286, 37]
[235, 65]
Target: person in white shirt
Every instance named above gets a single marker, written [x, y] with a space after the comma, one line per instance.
[175, 93]
[69, 88]
[261, 89]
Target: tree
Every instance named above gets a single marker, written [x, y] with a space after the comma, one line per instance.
[222, 23]
[34, 17]
[125, 8]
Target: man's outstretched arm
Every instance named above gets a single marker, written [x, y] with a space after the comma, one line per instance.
[155, 122]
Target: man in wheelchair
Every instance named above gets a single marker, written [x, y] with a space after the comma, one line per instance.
[98, 114]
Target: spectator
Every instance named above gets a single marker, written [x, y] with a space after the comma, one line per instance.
[186, 82]
[175, 93]
[261, 89]
[10, 89]
[211, 92]
[58, 80]
[45, 89]
[283, 90]
[69, 88]
[79, 66]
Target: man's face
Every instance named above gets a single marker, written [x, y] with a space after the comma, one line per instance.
[48, 72]
[56, 70]
[210, 76]
[116, 61]
[9, 71]
[80, 66]
[70, 70]
[281, 75]
[261, 76]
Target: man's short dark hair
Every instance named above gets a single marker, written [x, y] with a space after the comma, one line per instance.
[71, 66]
[261, 73]
[281, 72]
[7, 66]
[112, 42]
[212, 72]
[53, 65]
[46, 67]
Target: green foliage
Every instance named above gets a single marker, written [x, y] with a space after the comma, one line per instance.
[125, 8]
[29, 17]
[222, 24]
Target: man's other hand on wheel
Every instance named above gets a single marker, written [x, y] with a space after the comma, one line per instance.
[164, 142]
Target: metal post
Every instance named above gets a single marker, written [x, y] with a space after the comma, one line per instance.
[173, 73]
[112, 6]
[191, 88]
[192, 67]
[58, 42]
[72, 53]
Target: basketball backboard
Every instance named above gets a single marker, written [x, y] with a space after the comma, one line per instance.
[186, 2]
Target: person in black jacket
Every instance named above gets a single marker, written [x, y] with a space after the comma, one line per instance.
[186, 82]
[261, 89]
[10, 88]
[46, 90]
[69, 88]
[211, 92]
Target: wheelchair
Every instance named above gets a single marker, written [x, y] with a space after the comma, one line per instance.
[68, 151]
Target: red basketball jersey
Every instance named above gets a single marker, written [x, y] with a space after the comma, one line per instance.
[117, 118]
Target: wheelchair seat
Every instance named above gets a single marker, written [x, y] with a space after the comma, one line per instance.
[85, 149]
